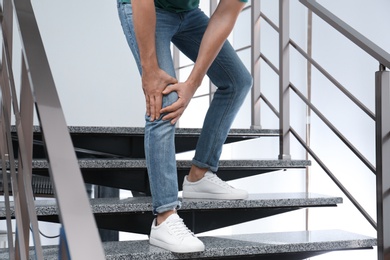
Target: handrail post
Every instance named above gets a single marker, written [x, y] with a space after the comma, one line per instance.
[382, 96]
[284, 79]
[255, 60]
[212, 87]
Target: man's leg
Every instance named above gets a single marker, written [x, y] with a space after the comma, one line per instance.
[159, 134]
[233, 81]
[168, 229]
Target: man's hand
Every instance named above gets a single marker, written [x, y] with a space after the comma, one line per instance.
[153, 84]
[185, 91]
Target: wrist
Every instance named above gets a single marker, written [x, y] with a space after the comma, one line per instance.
[149, 61]
[193, 82]
[149, 66]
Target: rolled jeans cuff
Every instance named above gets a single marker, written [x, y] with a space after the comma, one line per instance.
[171, 206]
[204, 165]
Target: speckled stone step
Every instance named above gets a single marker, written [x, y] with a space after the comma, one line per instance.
[141, 163]
[281, 246]
[134, 214]
[140, 131]
[144, 204]
[131, 174]
[127, 142]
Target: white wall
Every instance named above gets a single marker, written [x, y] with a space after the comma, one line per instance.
[99, 85]
[95, 74]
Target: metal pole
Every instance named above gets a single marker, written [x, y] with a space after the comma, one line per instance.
[24, 125]
[255, 41]
[308, 109]
[284, 79]
[22, 224]
[382, 96]
[212, 87]
[4, 158]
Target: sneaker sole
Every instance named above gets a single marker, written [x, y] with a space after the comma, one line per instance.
[200, 195]
[175, 248]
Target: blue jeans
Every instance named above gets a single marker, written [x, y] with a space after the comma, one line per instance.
[185, 30]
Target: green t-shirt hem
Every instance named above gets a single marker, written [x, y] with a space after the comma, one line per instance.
[129, 1]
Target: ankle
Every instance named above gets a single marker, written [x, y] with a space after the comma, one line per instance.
[196, 173]
[161, 217]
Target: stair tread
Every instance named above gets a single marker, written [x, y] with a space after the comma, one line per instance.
[141, 204]
[140, 130]
[251, 244]
[141, 163]
[238, 245]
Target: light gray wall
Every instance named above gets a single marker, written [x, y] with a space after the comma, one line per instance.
[95, 74]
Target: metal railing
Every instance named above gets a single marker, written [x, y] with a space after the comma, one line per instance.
[382, 103]
[381, 115]
[80, 238]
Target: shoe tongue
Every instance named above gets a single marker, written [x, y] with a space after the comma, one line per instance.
[208, 174]
[173, 217]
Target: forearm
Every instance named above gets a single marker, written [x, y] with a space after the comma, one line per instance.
[220, 26]
[144, 19]
[154, 80]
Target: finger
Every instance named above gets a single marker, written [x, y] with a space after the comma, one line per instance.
[170, 116]
[147, 105]
[173, 117]
[152, 109]
[171, 108]
[158, 105]
[170, 88]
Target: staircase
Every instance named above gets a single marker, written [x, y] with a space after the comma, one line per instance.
[111, 158]
[114, 157]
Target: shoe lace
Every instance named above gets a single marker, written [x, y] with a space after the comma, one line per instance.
[178, 227]
[214, 178]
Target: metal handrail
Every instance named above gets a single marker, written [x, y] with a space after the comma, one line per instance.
[334, 81]
[363, 42]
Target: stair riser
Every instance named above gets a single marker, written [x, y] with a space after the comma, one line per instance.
[136, 179]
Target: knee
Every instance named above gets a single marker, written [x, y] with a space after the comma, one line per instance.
[243, 83]
[246, 80]
[168, 100]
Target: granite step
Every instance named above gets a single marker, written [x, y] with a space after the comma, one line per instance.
[127, 142]
[134, 214]
[266, 246]
[131, 174]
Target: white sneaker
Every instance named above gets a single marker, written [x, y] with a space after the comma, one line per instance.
[174, 236]
[211, 187]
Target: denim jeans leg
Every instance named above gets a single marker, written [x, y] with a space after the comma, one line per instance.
[233, 82]
[161, 161]
[159, 134]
